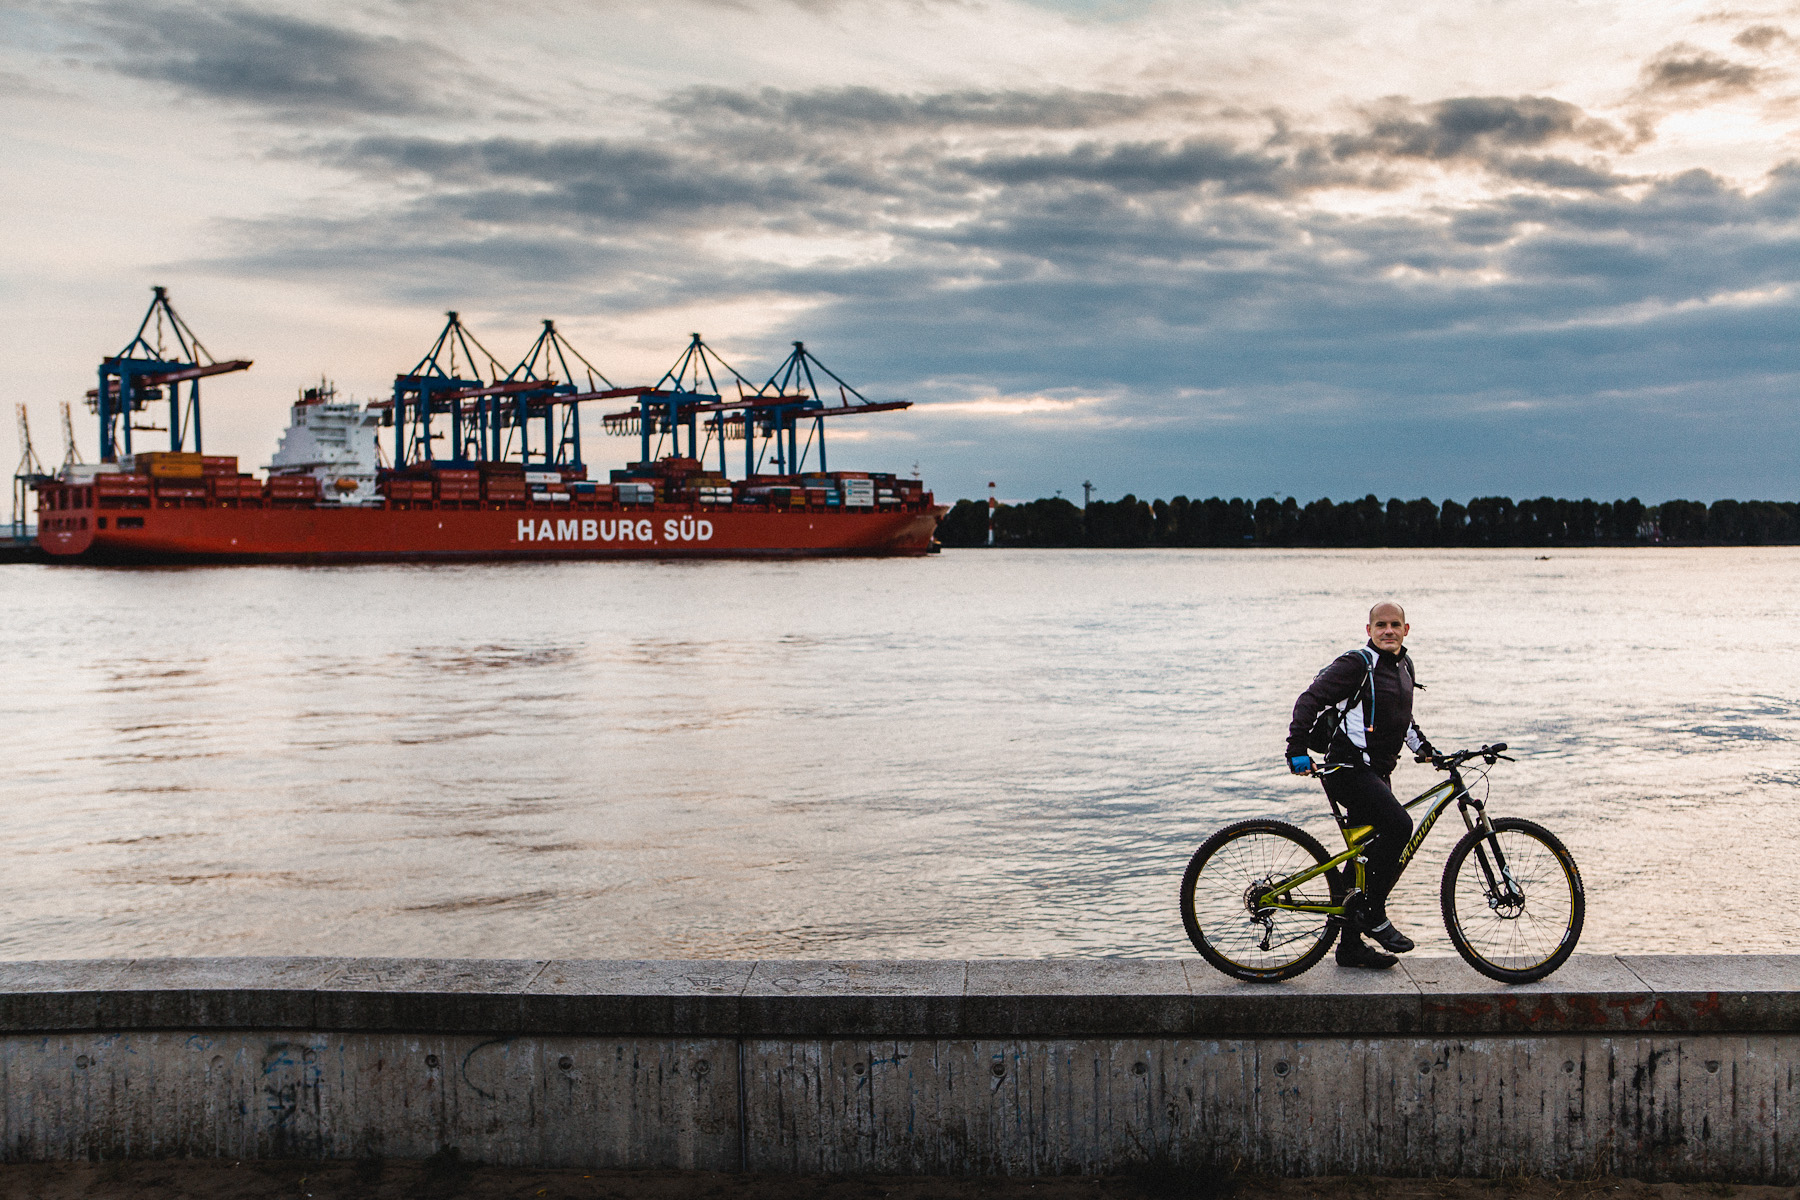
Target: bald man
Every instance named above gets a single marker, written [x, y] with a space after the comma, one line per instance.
[1373, 686]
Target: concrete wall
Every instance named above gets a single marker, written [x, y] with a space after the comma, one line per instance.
[1659, 1067]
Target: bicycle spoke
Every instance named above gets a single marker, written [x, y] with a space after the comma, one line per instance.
[1515, 931]
[1221, 901]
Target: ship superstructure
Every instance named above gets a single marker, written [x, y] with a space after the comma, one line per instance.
[484, 463]
[333, 441]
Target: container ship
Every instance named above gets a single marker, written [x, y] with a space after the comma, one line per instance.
[370, 482]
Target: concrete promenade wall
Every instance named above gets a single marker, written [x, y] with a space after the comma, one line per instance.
[1662, 1067]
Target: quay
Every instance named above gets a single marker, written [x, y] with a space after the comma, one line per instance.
[1670, 1067]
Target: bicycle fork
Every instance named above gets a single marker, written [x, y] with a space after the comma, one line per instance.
[1502, 889]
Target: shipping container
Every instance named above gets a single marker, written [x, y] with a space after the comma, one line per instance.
[166, 464]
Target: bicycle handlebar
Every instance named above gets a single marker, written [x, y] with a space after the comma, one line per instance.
[1445, 762]
[1442, 762]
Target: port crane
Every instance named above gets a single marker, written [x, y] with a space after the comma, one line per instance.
[491, 418]
[140, 373]
[71, 453]
[436, 385]
[26, 477]
[770, 413]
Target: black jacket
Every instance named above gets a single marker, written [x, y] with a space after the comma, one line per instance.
[1391, 724]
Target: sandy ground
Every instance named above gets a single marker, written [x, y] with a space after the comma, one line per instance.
[219, 1180]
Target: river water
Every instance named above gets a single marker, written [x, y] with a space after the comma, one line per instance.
[978, 754]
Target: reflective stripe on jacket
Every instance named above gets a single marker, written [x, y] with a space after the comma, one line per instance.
[1390, 725]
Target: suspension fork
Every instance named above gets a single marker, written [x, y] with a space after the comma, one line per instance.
[1500, 883]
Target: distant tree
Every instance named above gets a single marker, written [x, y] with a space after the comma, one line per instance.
[1052, 522]
[1492, 521]
[1172, 522]
[1275, 522]
[1725, 523]
[1411, 523]
[1681, 521]
[1318, 524]
[965, 524]
[1127, 522]
[1622, 521]
[1367, 522]
[1233, 521]
[1538, 522]
[1453, 524]
[1769, 523]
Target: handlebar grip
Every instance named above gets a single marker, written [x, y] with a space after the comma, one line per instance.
[1497, 747]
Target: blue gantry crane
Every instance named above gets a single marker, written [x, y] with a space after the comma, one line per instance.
[550, 395]
[766, 417]
[492, 417]
[139, 374]
[436, 385]
[672, 405]
[790, 397]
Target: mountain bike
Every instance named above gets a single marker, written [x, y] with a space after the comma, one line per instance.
[1261, 899]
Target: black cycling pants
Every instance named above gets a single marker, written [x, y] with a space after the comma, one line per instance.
[1368, 800]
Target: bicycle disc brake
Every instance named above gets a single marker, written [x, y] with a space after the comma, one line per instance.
[1510, 904]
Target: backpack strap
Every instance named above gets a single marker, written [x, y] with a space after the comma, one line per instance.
[1368, 692]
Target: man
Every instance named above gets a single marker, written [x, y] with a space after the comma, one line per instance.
[1374, 687]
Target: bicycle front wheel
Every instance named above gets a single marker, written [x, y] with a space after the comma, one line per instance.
[1513, 901]
[1218, 901]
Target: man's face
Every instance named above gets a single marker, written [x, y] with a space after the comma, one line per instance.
[1388, 628]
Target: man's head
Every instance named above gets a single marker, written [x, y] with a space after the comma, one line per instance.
[1387, 626]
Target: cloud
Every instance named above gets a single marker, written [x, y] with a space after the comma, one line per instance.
[1686, 70]
[873, 108]
[1761, 37]
[605, 185]
[286, 64]
[1141, 166]
[1476, 125]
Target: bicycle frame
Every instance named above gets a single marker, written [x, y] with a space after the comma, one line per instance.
[1438, 797]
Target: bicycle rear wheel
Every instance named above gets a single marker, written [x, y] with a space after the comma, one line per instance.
[1217, 907]
[1513, 901]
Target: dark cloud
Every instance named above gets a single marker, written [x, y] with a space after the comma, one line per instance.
[516, 180]
[1475, 127]
[1141, 166]
[1686, 70]
[872, 108]
[1560, 173]
[286, 64]
[1761, 37]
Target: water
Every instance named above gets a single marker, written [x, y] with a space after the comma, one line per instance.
[980, 754]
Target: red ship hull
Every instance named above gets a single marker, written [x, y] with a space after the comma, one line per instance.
[220, 533]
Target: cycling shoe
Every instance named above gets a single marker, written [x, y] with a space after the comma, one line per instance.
[1388, 938]
[1384, 935]
[1358, 953]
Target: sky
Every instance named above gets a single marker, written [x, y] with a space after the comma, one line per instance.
[1296, 247]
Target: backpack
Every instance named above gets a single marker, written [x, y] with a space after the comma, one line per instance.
[1325, 726]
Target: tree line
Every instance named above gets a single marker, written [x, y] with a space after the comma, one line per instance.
[1484, 521]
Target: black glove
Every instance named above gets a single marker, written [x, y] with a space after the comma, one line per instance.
[1425, 753]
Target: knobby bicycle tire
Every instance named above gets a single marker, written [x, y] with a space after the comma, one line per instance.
[1259, 851]
[1513, 940]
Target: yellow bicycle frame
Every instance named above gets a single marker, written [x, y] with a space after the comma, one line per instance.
[1444, 793]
